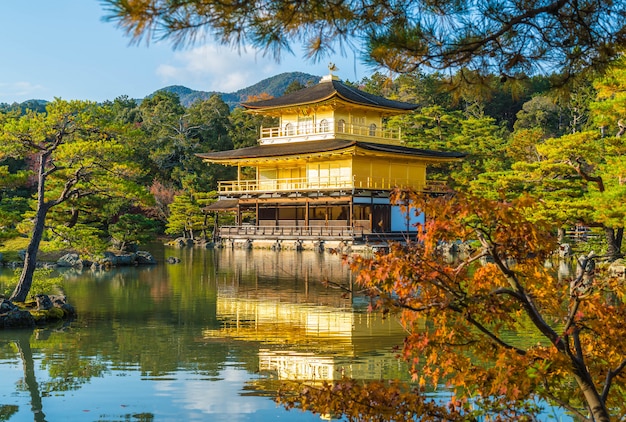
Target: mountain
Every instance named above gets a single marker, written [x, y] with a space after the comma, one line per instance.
[274, 86]
[35, 105]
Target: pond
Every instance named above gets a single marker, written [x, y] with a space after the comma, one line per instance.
[208, 338]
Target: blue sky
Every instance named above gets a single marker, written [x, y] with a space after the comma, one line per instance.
[63, 48]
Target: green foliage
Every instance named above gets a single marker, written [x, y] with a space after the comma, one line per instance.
[43, 283]
[484, 143]
[540, 112]
[212, 133]
[245, 128]
[133, 229]
[187, 215]
[81, 155]
[11, 180]
[175, 135]
[21, 108]
[436, 128]
[523, 143]
[430, 128]
[610, 106]
[124, 109]
[12, 210]
[293, 87]
[85, 239]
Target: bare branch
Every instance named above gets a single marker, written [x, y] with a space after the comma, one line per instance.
[611, 374]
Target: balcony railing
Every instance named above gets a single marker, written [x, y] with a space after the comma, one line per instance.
[318, 184]
[329, 129]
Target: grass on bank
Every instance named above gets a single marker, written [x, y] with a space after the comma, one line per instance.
[9, 248]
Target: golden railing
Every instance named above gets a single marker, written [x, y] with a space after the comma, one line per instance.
[331, 129]
[328, 183]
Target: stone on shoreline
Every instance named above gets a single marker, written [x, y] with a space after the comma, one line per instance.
[110, 260]
[70, 260]
[43, 309]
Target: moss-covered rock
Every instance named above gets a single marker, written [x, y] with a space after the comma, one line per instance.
[43, 310]
[17, 318]
[45, 315]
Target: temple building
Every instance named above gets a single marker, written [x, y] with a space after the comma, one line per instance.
[325, 173]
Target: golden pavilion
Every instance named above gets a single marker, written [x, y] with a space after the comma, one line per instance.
[325, 173]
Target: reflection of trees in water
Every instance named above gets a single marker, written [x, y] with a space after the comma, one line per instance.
[7, 411]
[140, 417]
[68, 368]
[22, 342]
[67, 371]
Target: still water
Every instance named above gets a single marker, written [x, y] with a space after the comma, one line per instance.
[206, 339]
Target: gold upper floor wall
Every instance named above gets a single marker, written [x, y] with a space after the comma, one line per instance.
[330, 121]
[339, 173]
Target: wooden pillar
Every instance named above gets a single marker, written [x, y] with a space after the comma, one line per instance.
[351, 213]
[326, 215]
[256, 210]
[371, 218]
[306, 213]
[216, 226]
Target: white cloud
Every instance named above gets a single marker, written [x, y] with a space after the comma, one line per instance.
[21, 91]
[223, 399]
[214, 68]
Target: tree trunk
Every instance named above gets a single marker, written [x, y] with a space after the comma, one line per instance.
[614, 242]
[30, 260]
[598, 410]
[560, 235]
[74, 218]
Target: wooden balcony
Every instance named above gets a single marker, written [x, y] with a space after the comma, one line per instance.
[329, 129]
[296, 185]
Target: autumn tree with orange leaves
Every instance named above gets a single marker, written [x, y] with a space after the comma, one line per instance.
[572, 353]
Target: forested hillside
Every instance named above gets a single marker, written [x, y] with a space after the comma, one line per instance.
[273, 87]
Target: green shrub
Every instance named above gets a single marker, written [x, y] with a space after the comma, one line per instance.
[43, 283]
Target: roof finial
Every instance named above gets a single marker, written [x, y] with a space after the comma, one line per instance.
[330, 77]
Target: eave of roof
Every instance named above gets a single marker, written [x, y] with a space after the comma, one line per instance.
[223, 205]
[326, 90]
[317, 147]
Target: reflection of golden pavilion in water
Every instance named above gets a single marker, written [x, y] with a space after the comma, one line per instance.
[312, 335]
